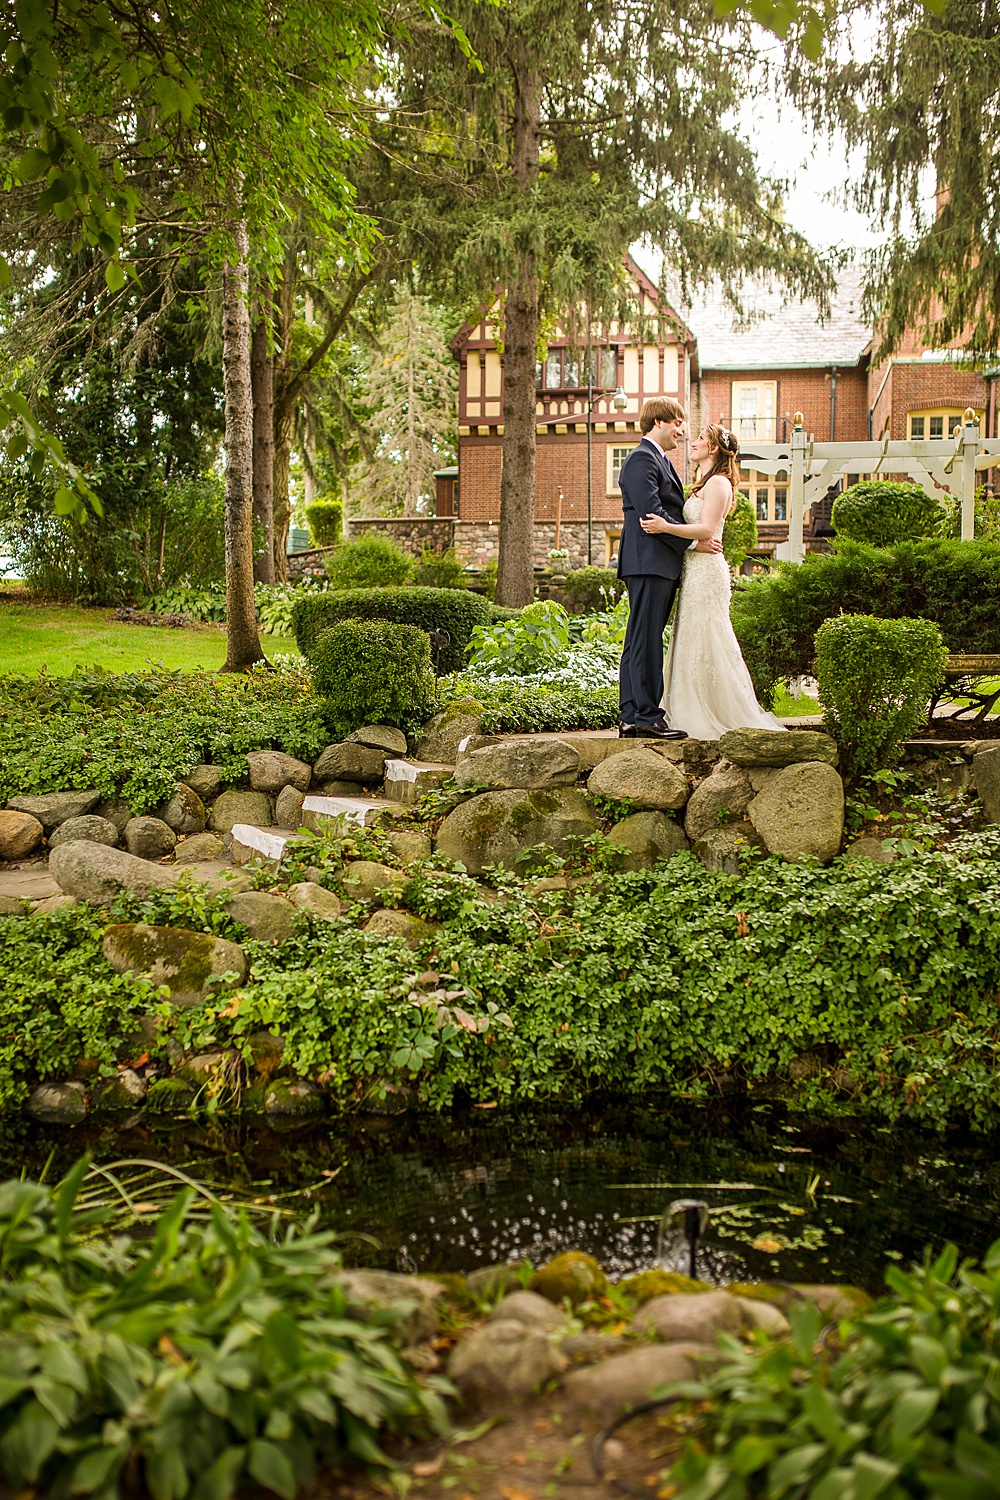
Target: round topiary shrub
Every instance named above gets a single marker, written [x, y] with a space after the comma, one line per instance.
[739, 535]
[876, 678]
[593, 589]
[325, 519]
[369, 562]
[450, 615]
[881, 513]
[373, 672]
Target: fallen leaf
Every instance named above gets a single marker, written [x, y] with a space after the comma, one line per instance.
[428, 1467]
[490, 1105]
[768, 1243]
[511, 1492]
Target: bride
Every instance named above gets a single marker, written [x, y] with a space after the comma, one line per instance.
[707, 686]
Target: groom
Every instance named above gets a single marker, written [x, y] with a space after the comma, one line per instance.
[650, 567]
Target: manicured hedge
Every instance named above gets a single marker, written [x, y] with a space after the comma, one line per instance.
[325, 519]
[957, 584]
[454, 611]
[373, 672]
[884, 512]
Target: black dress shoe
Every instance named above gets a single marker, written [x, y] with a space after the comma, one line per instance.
[626, 731]
[659, 731]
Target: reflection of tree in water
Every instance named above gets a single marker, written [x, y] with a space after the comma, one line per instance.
[468, 1190]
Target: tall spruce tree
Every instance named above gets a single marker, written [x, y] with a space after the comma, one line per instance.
[923, 104]
[593, 124]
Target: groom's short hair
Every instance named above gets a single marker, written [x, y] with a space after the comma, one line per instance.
[663, 409]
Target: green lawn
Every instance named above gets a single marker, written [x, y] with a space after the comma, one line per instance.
[33, 637]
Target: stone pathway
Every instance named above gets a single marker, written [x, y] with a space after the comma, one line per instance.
[28, 882]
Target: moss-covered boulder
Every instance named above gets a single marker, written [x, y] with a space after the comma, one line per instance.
[293, 1099]
[169, 1096]
[266, 917]
[658, 1283]
[778, 747]
[89, 829]
[366, 879]
[186, 962]
[184, 812]
[392, 923]
[232, 807]
[495, 827]
[445, 732]
[642, 777]
[149, 838]
[350, 762]
[574, 1275]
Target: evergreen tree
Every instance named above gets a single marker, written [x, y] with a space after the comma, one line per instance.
[411, 424]
[923, 104]
[594, 124]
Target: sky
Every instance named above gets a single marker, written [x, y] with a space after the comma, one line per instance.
[817, 170]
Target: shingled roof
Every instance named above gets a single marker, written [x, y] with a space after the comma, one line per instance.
[780, 334]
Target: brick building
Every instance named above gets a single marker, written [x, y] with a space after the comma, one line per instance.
[751, 375]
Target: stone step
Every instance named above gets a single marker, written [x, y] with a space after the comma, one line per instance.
[251, 842]
[592, 745]
[407, 780]
[361, 811]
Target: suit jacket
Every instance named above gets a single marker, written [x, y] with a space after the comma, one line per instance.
[650, 486]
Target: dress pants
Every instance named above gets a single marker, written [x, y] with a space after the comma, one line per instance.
[641, 673]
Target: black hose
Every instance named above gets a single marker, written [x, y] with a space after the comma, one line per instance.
[602, 1437]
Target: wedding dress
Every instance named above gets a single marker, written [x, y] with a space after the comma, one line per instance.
[707, 688]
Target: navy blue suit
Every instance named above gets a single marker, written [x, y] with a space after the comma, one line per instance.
[650, 567]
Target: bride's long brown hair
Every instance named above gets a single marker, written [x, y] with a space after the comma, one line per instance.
[725, 458]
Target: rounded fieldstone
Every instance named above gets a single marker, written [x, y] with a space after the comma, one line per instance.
[205, 780]
[270, 770]
[409, 848]
[149, 838]
[381, 1290]
[986, 779]
[493, 828]
[10, 906]
[502, 1362]
[366, 879]
[698, 1317]
[446, 731]
[185, 811]
[388, 922]
[350, 762]
[234, 807]
[646, 837]
[725, 794]
[870, 849]
[800, 814]
[642, 777]
[199, 846]
[20, 834]
[268, 918]
[116, 810]
[520, 763]
[379, 737]
[90, 829]
[777, 747]
[288, 807]
[96, 873]
[625, 1380]
[531, 1309]
[720, 848]
[53, 808]
[58, 1103]
[315, 899]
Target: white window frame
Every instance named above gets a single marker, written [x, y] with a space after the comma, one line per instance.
[760, 425]
[613, 448]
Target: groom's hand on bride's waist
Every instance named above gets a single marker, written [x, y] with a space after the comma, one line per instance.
[708, 544]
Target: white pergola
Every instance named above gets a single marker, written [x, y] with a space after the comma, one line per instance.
[945, 468]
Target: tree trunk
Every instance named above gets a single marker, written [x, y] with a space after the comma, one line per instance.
[242, 642]
[284, 421]
[410, 505]
[515, 575]
[262, 387]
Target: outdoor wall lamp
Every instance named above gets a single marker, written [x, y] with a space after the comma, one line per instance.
[619, 400]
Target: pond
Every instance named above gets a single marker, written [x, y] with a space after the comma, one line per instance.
[791, 1198]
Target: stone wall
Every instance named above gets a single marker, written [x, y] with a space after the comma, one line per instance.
[477, 542]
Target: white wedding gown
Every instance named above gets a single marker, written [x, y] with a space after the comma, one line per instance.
[707, 688]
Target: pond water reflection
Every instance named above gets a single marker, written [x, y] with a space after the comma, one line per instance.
[790, 1197]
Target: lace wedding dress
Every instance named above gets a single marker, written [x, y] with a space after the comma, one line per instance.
[707, 688]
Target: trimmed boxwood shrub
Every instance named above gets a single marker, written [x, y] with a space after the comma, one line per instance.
[593, 588]
[957, 584]
[884, 512]
[373, 672]
[455, 612]
[369, 562]
[325, 519]
[875, 679]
